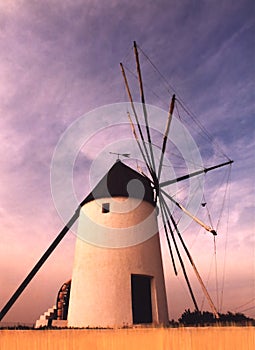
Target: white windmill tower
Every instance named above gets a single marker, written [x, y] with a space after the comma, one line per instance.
[121, 282]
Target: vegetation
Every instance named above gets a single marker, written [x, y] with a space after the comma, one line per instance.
[197, 318]
[17, 327]
[188, 318]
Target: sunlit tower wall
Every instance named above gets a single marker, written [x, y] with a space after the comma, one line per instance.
[117, 277]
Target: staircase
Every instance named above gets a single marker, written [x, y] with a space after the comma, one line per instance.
[46, 318]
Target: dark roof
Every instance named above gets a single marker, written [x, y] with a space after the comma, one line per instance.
[122, 181]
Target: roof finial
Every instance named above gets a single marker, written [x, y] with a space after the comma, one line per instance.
[127, 155]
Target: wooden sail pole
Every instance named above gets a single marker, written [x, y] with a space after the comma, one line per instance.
[213, 308]
[169, 119]
[163, 204]
[137, 141]
[167, 237]
[144, 105]
[39, 264]
[197, 220]
[198, 172]
[147, 158]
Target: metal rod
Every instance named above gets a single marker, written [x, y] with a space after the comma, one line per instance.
[185, 177]
[147, 158]
[144, 105]
[180, 259]
[213, 308]
[169, 119]
[197, 220]
[39, 264]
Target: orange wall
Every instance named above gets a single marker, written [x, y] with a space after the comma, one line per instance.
[211, 338]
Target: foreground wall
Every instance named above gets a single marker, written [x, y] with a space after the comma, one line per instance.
[212, 338]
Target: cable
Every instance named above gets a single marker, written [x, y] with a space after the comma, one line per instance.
[224, 197]
[216, 272]
[157, 70]
[225, 249]
[146, 85]
[248, 302]
[249, 308]
[201, 126]
[183, 105]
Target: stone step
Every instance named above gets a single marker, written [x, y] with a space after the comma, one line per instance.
[44, 318]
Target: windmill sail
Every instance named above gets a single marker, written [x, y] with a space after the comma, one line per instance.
[161, 195]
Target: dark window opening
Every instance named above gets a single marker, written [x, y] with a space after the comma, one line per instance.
[105, 208]
[141, 299]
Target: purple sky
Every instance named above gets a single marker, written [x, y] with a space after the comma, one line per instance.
[60, 59]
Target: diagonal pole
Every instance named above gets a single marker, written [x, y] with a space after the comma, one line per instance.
[147, 161]
[180, 258]
[167, 237]
[213, 308]
[144, 106]
[195, 173]
[198, 221]
[39, 264]
[169, 119]
[138, 143]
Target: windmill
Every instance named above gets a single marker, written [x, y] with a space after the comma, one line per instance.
[161, 196]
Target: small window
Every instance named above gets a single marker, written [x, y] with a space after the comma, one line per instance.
[105, 208]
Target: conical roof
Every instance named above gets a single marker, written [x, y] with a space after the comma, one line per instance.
[122, 181]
